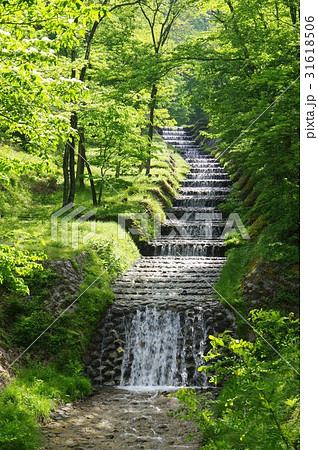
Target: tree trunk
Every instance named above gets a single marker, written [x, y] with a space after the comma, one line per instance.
[65, 175]
[91, 181]
[117, 174]
[81, 159]
[71, 148]
[69, 155]
[151, 125]
[100, 192]
[293, 14]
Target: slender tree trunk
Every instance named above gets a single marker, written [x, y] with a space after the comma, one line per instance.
[69, 154]
[81, 159]
[117, 174]
[293, 14]
[71, 149]
[91, 181]
[100, 192]
[151, 125]
[66, 175]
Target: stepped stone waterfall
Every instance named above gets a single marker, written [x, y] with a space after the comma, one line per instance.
[156, 331]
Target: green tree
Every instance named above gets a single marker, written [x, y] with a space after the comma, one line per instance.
[116, 131]
[160, 17]
[33, 93]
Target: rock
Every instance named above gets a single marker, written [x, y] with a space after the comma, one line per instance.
[113, 355]
[87, 360]
[114, 333]
[266, 280]
[108, 373]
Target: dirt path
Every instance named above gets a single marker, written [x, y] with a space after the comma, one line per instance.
[119, 419]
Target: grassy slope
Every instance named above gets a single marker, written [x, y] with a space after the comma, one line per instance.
[27, 203]
[52, 372]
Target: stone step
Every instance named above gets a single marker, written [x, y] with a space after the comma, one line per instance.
[139, 280]
[202, 202]
[182, 268]
[183, 272]
[193, 285]
[183, 140]
[205, 220]
[187, 241]
[199, 191]
[186, 260]
[172, 261]
[212, 182]
[212, 247]
[196, 209]
[200, 161]
[166, 273]
[162, 293]
[195, 304]
[195, 217]
[174, 269]
[184, 146]
[210, 302]
[206, 163]
[164, 297]
[189, 197]
[205, 176]
[202, 157]
[191, 233]
[190, 152]
[206, 171]
[178, 135]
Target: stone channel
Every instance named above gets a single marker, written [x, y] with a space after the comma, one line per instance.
[151, 339]
[165, 308]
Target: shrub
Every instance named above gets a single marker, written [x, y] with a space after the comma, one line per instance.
[258, 406]
[15, 265]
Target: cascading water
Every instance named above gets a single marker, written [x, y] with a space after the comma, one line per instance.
[164, 348]
[157, 330]
[152, 345]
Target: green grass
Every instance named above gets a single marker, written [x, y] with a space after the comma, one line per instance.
[28, 400]
[229, 284]
[241, 260]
